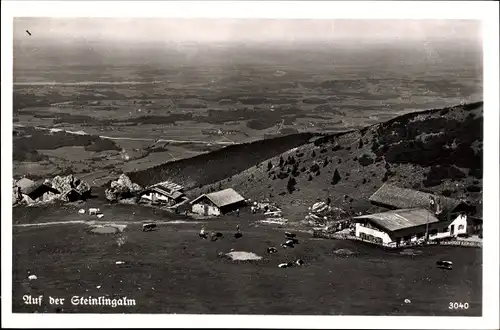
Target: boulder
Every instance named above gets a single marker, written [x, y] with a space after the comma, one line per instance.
[122, 188]
[71, 187]
[17, 197]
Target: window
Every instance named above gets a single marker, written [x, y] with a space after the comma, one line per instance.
[461, 227]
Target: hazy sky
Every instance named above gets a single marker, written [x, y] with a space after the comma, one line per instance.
[227, 30]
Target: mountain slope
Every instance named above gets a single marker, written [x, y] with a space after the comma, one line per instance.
[438, 150]
[211, 167]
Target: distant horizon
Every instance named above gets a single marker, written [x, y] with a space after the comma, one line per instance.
[238, 31]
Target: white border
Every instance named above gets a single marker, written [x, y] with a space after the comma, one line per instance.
[485, 11]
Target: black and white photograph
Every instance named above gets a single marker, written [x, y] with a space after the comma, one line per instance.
[247, 165]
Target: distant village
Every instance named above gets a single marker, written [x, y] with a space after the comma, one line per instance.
[403, 216]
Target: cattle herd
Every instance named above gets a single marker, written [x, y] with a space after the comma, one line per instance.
[290, 241]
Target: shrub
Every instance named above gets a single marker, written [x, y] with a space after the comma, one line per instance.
[364, 180]
[365, 160]
[325, 162]
[310, 178]
[318, 173]
[290, 186]
[282, 175]
[314, 167]
[439, 173]
[336, 177]
[323, 150]
[360, 145]
[446, 192]
[269, 166]
[313, 154]
[474, 189]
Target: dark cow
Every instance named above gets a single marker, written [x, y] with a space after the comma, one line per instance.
[148, 226]
[271, 250]
[444, 264]
[289, 235]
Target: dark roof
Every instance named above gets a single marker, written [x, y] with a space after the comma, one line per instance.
[400, 219]
[403, 198]
[222, 198]
[38, 185]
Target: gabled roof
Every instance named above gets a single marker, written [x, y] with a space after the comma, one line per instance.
[171, 194]
[25, 184]
[222, 198]
[168, 186]
[400, 219]
[39, 185]
[403, 198]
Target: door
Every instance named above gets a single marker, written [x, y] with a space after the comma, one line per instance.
[452, 230]
[205, 206]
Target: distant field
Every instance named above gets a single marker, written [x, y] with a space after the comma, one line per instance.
[162, 270]
[245, 93]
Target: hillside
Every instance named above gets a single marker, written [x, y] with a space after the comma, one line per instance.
[437, 150]
[211, 167]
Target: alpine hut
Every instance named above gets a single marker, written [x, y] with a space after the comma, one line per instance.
[164, 193]
[32, 191]
[217, 203]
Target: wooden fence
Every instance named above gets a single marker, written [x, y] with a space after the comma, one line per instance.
[463, 243]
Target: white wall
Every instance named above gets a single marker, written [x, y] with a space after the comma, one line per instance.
[156, 196]
[200, 209]
[460, 224]
[369, 231]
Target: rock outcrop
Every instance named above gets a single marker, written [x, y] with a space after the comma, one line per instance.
[321, 213]
[17, 197]
[71, 188]
[121, 189]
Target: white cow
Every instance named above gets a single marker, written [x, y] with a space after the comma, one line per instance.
[94, 211]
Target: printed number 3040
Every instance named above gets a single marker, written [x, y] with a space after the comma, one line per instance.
[458, 305]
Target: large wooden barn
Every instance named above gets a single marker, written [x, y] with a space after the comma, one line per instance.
[217, 203]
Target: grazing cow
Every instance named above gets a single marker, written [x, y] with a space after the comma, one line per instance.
[299, 262]
[444, 264]
[271, 250]
[283, 265]
[148, 226]
[289, 235]
[202, 233]
[238, 234]
[287, 244]
[94, 211]
[214, 236]
[219, 235]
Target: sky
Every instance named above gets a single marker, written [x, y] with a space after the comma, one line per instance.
[242, 30]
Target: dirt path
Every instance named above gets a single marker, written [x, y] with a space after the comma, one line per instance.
[97, 222]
